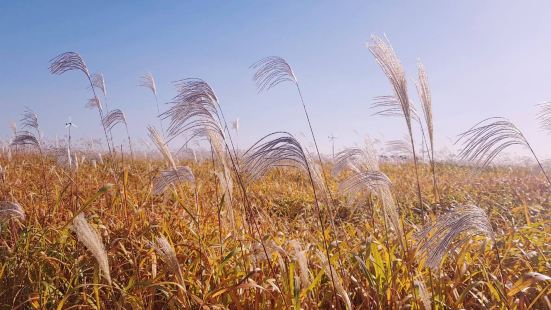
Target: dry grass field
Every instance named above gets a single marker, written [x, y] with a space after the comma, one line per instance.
[202, 261]
[275, 225]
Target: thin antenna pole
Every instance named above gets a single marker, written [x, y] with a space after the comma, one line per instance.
[332, 139]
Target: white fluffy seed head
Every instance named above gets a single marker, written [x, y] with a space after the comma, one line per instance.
[92, 241]
[9, 210]
[450, 231]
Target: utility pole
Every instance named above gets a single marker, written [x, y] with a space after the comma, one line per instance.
[68, 125]
[332, 139]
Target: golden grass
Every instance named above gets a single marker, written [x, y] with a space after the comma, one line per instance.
[43, 265]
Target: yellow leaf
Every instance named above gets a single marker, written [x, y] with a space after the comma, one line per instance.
[527, 280]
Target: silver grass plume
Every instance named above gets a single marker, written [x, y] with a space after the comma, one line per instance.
[390, 106]
[317, 176]
[113, 118]
[92, 241]
[9, 210]
[159, 142]
[330, 271]
[68, 61]
[168, 255]
[194, 109]
[364, 180]
[148, 81]
[390, 64]
[98, 81]
[423, 90]
[226, 184]
[366, 177]
[195, 112]
[357, 159]
[544, 115]
[424, 294]
[30, 120]
[271, 71]
[281, 149]
[25, 138]
[488, 138]
[172, 177]
[390, 209]
[399, 147]
[278, 149]
[94, 103]
[378, 183]
[299, 255]
[459, 225]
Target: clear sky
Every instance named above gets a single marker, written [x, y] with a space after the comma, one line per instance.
[483, 58]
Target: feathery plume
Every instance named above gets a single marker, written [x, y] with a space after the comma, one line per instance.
[278, 149]
[195, 112]
[98, 82]
[113, 118]
[90, 238]
[330, 271]
[423, 91]
[357, 159]
[72, 61]
[399, 147]
[390, 209]
[168, 255]
[544, 115]
[172, 177]
[94, 103]
[30, 119]
[68, 61]
[370, 180]
[489, 137]
[194, 109]
[424, 295]
[271, 71]
[9, 210]
[299, 255]
[390, 64]
[159, 142]
[226, 184]
[23, 138]
[461, 224]
[148, 81]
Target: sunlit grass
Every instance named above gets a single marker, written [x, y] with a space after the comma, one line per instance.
[43, 264]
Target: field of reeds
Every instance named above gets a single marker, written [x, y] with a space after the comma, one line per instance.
[275, 225]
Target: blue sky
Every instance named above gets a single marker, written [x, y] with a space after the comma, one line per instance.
[483, 58]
